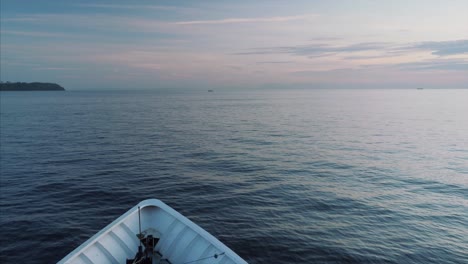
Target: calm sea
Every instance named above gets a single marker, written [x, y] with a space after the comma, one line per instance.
[318, 176]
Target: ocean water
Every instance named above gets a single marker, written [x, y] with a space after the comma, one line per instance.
[308, 176]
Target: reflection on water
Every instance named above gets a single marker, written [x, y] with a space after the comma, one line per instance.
[303, 176]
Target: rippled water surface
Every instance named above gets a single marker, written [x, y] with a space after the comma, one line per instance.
[321, 176]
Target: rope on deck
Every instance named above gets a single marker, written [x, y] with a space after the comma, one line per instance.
[214, 256]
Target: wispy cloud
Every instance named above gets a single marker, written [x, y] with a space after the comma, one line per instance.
[35, 34]
[18, 19]
[243, 20]
[367, 57]
[384, 49]
[445, 65]
[442, 48]
[315, 50]
[54, 69]
[98, 22]
[119, 6]
[274, 62]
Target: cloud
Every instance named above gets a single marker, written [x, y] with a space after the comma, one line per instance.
[19, 19]
[384, 49]
[318, 50]
[445, 65]
[242, 20]
[322, 39]
[273, 62]
[442, 48]
[35, 34]
[97, 22]
[366, 57]
[54, 69]
[118, 6]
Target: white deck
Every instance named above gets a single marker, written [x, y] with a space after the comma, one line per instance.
[181, 240]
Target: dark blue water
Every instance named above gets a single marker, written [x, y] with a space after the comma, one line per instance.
[322, 176]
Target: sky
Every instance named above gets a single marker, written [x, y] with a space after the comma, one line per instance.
[95, 45]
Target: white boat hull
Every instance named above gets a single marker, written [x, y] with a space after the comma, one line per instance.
[181, 240]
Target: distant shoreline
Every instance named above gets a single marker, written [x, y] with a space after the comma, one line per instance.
[25, 87]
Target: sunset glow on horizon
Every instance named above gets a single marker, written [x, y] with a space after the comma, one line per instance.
[241, 44]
